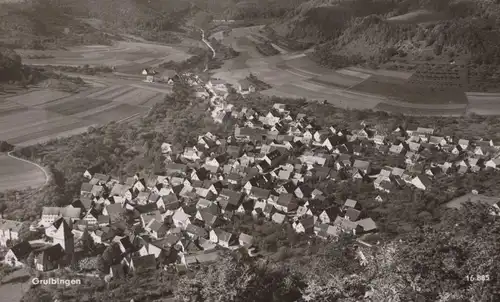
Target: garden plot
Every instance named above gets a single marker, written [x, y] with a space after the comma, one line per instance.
[136, 97]
[38, 97]
[77, 106]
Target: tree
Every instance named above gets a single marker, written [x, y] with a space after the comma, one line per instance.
[30, 262]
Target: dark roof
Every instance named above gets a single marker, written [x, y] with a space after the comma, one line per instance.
[260, 193]
[21, 250]
[144, 262]
[285, 199]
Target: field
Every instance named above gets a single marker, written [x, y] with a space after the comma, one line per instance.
[16, 174]
[440, 88]
[484, 103]
[401, 90]
[127, 57]
[27, 119]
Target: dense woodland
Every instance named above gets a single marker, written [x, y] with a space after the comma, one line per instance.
[424, 253]
[363, 27]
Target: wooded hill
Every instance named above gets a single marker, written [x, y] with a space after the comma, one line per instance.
[378, 29]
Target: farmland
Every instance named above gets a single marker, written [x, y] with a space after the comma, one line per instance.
[16, 174]
[28, 119]
[296, 75]
[127, 57]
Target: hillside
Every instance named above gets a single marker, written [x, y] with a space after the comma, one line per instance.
[43, 24]
[376, 30]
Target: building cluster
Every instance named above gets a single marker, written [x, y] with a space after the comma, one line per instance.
[264, 169]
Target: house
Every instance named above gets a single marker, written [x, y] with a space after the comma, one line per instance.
[275, 158]
[397, 149]
[304, 225]
[245, 240]
[278, 218]
[303, 191]
[221, 237]
[245, 86]
[286, 203]
[426, 131]
[194, 231]
[363, 166]
[9, 231]
[493, 163]
[330, 214]
[437, 140]
[49, 258]
[365, 226]
[17, 254]
[149, 73]
[422, 182]
[176, 168]
[351, 203]
[181, 219]
[156, 228]
[142, 263]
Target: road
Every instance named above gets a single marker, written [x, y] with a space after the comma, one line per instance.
[206, 42]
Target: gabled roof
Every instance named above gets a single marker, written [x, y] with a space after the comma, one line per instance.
[285, 199]
[21, 250]
[144, 262]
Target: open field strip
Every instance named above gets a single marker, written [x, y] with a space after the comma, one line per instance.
[154, 100]
[414, 111]
[52, 127]
[114, 94]
[38, 97]
[104, 91]
[483, 103]
[118, 112]
[17, 174]
[88, 114]
[336, 80]
[49, 134]
[354, 74]
[146, 87]
[75, 96]
[144, 60]
[381, 72]
[77, 106]
[136, 97]
[9, 108]
[28, 118]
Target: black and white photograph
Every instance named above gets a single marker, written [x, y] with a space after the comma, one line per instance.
[249, 150]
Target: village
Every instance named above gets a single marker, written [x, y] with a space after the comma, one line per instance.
[176, 219]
